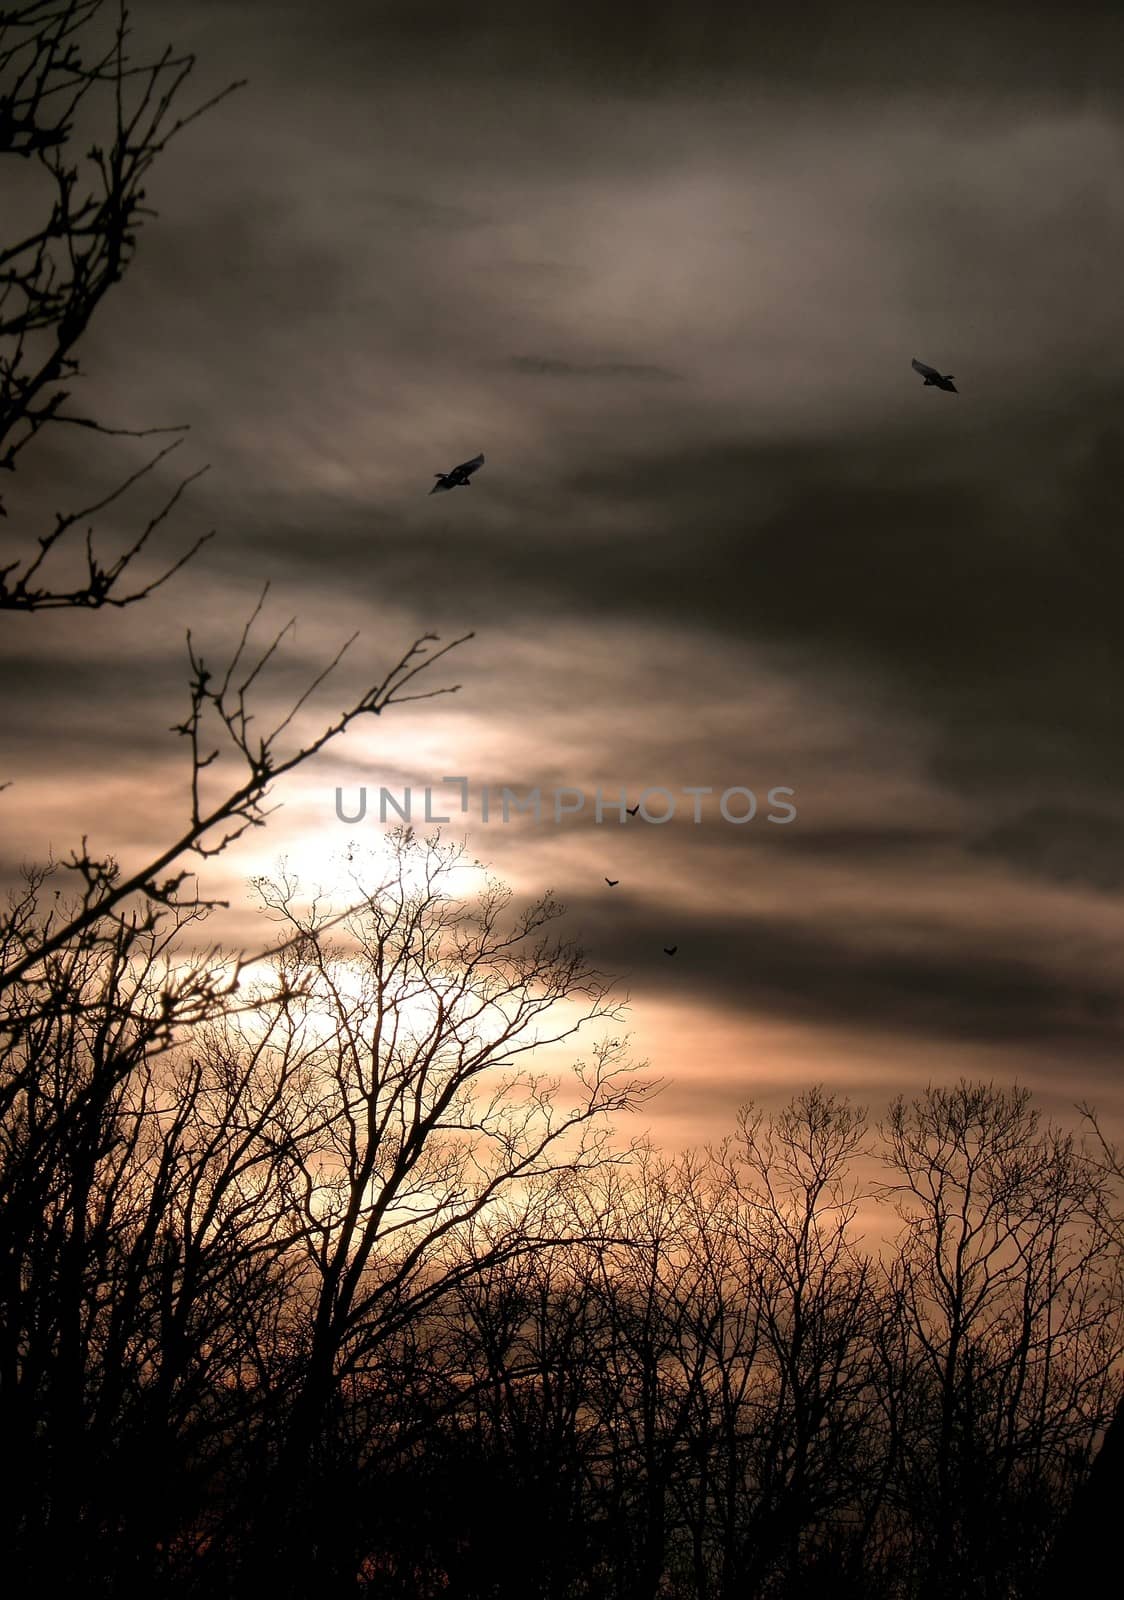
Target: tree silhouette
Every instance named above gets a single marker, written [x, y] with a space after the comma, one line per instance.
[1078, 1551]
[66, 75]
[439, 1152]
[1004, 1275]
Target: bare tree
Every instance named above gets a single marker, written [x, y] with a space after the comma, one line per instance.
[529, 1339]
[1010, 1289]
[1085, 1542]
[801, 1464]
[220, 711]
[141, 1260]
[67, 75]
[142, 1275]
[442, 1147]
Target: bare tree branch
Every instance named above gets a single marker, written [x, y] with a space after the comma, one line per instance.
[62, 66]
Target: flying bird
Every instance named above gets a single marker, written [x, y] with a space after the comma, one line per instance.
[632, 810]
[460, 477]
[670, 952]
[612, 882]
[932, 376]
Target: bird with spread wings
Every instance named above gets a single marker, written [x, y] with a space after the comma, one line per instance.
[460, 477]
[932, 376]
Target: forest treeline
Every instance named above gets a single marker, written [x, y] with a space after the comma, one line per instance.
[336, 1292]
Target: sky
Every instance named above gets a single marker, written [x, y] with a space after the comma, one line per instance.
[666, 266]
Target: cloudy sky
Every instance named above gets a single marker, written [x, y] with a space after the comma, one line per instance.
[666, 265]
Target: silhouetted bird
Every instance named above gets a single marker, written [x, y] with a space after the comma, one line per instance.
[670, 952]
[932, 376]
[632, 810]
[460, 476]
[612, 882]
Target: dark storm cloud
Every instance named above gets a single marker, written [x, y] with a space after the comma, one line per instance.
[928, 574]
[900, 979]
[89, 702]
[867, 846]
[1062, 844]
[646, 46]
[553, 367]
